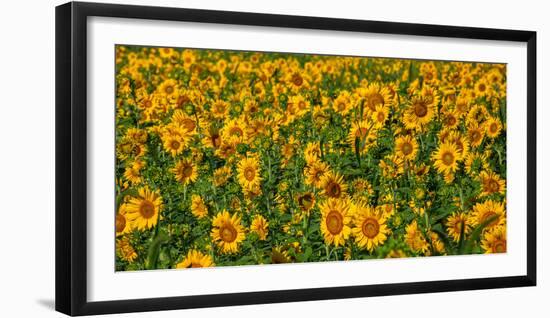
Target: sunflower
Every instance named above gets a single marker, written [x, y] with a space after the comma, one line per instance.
[491, 183]
[227, 232]
[418, 114]
[174, 144]
[122, 225]
[219, 108]
[249, 172]
[376, 95]
[455, 222]
[185, 172]
[198, 207]
[143, 210]
[415, 239]
[475, 134]
[494, 241]
[333, 185]
[132, 172]
[260, 226]
[314, 173]
[221, 176]
[306, 201]
[493, 127]
[482, 88]
[450, 119]
[362, 136]
[335, 219]
[234, 130]
[445, 158]
[342, 103]
[195, 259]
[279, 256]
[379, 116]
[168, 88]
[406, 147]
[185, 121]
[125, 250]
[370, 228]
[481, 212]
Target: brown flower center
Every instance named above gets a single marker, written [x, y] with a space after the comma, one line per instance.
[420, 109]
[407, 148]
[370, 227]
[499, 246]
[236, 131]
[169, 89]
[187, 170]
[448, 158]
[189, 124]
[120, 222]
[175, 144]
[492, 186]
[375, 100]
[297, 79]
[147, 209]
[334, 222]
[487, 215]
[481, 87]
[249, 173]
[333, 189]
[228, 233]
[380, 117]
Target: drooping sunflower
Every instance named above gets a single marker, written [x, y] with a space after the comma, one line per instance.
[143, 210]
[227, 232]
[494, 241]
[249, 172]
[185, 171]
[260, 226]
[195, 259]
[446, 158]
[370, 229]
[481, 212]
[198, 207]
[491, 183]
[335, 220]
[418, 114]
[455, 223]
[333, 185]
[406, 147]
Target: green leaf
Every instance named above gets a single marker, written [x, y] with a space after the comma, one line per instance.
[154, 250]
[476, 233]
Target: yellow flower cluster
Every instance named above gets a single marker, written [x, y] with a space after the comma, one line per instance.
[232, 158]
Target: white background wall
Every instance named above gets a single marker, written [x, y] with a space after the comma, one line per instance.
[27, 158]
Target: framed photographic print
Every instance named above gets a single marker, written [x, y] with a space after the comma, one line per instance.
[208, 158]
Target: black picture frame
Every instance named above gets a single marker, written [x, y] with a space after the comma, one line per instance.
[71, 157]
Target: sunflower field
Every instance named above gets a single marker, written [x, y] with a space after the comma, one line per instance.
[242, 158]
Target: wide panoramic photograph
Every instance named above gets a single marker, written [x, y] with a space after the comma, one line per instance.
[227, 158]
